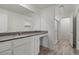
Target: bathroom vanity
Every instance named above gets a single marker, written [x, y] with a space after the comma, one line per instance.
[21, 43]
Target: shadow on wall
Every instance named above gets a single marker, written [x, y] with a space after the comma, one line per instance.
[44, 41]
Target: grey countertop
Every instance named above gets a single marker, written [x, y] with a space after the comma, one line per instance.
[8, 36]
[20, 33]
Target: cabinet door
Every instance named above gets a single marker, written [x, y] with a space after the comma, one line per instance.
[9, 52]
[19, 42]
[20, 50]
[36, 45]
[5, 46]
[24, 48]
[30, 46]
[19, 46]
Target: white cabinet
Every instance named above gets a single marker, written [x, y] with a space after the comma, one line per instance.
[19, 50]
[19, 46]
[36, 45]
[30, 46]
[19, 42]
[9, 52]
[24, 46]
[5, 48]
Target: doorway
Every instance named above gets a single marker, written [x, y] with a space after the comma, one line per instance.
[66, 29]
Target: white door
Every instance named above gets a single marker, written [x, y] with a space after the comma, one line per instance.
[66, 29]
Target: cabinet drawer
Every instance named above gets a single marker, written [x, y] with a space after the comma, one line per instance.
[19, 42]
[24, 46]
[5, 46]
[9, 52]
[19, 50]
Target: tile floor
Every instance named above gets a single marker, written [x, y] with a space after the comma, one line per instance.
[76, 52]
[63, 47]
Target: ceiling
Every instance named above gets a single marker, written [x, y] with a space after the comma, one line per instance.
[31, 9]
[65, 10]
[37, 7]
[26, 9]
[68, 9]
[16, 8]
[41, 6]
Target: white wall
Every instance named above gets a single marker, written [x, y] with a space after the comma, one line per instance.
[3, 23]
[65, 11]
[47, 23]
[65, 27]
[77, 32]
[36, 22]
[16, 21]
